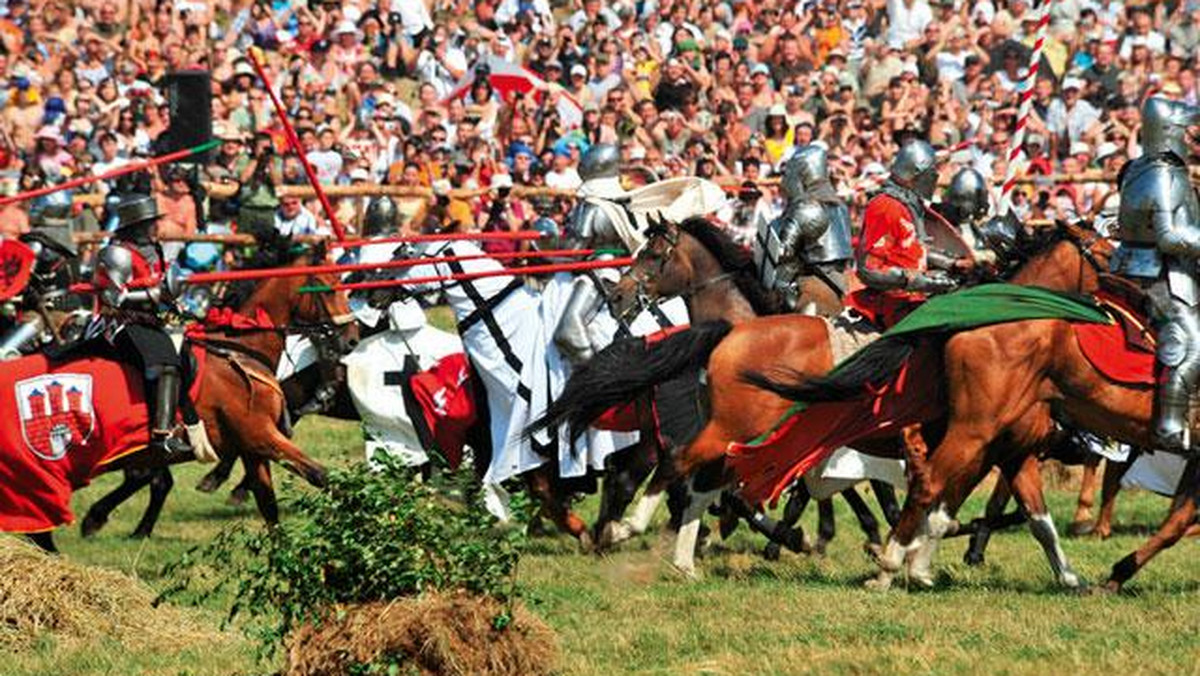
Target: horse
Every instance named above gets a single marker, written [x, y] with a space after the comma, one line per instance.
[741, 410]
[506, 328]
[1005, 385]
[250, 353]
[696, 261]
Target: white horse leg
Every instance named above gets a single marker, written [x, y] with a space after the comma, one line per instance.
[920, 562]
[1042, 527]
[893, 556]
[620, 531]
[689, 530]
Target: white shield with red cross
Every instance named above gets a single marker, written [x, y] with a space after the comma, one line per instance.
[56, 413]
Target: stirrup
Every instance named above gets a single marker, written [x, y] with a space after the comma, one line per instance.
[1179, 443]
[169, 445]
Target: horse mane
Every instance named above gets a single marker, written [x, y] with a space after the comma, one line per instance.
[735, 259]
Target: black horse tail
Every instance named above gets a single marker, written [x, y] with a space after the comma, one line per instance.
[877, 363]
[626, 369]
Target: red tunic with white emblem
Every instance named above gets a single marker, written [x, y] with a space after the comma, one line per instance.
[888, 240]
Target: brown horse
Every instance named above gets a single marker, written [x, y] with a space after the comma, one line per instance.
[717, 279]
[741, 412]
[240, 402]
[1005, 385]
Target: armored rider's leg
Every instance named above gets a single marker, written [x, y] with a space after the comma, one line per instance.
[1179, 352]
[571, 335]
[166, 396]
[331, 374]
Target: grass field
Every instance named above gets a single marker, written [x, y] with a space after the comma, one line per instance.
[628, 613]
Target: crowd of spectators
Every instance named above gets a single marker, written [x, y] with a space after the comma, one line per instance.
[436, 93]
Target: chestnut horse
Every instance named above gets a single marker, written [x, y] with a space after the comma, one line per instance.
[742, 411]
[1005, 385]
[717, 279]
[245, 359]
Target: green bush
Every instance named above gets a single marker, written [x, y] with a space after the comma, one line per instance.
[369, 536]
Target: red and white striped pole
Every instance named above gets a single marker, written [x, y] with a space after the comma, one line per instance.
[1016, 164]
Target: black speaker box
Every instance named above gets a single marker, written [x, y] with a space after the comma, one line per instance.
[189, 95]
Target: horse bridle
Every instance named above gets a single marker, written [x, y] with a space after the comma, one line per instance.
[670, 235]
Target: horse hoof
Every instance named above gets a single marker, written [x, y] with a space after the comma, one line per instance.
[796, 543]
[208, 484]
[238, 497]
[818, 550]
[1102, 533]
[921, 581]
[688, 574]
[728, 523]
[586, 544]
[139, 534]
[879, 584]
[772, 551]
[973, 558]
[91, 525]
[1079, 529]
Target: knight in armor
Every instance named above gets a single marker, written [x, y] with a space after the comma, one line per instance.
[589, 227]
[812, 235]
[895, 261]
[1159, 230]
[129, 277]
[966, 205]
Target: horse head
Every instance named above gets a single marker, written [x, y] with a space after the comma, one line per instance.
[661, 268]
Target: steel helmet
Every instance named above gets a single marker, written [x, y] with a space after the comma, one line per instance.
[135, 209]
[915, 168]
[602, 160]
[380, 217]
[812, 165]
[967, 195]
[1165, 124]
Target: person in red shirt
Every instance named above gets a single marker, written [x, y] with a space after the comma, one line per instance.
[895, 264]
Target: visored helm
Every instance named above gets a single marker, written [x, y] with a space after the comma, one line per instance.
[1000, 234]
[915, 168]
[812, 165]
[967, 196]
[1165, 126]
[380, 217]
[602, 160]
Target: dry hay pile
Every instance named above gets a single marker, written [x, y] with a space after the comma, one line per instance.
[433, 634]
[42, 594]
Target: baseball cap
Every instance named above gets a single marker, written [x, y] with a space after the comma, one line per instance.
[1106, 150]
[360, 174]
[579, 69]
[1080, 148]
[1072, 83]
[760, 68]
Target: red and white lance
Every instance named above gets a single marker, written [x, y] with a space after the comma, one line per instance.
[1017, 163]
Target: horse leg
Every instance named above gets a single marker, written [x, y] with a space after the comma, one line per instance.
[240, 492]
[944, 481]
[1113, 473]
[1026, 482]
[545, 486]
[161, 483]
[628, 468]
[133, 480]
[44, 541]
[695, 504]
[1183, 515]
[826, 526]
[217, 475]
[261, 488]
[977, 547]
[1081, 523]
[866, 518]
[885, 495]
[787, 532]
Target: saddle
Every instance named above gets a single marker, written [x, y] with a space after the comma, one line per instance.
[1124, 350]
[1131, 307]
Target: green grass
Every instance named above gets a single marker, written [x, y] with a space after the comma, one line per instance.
[628, 613]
